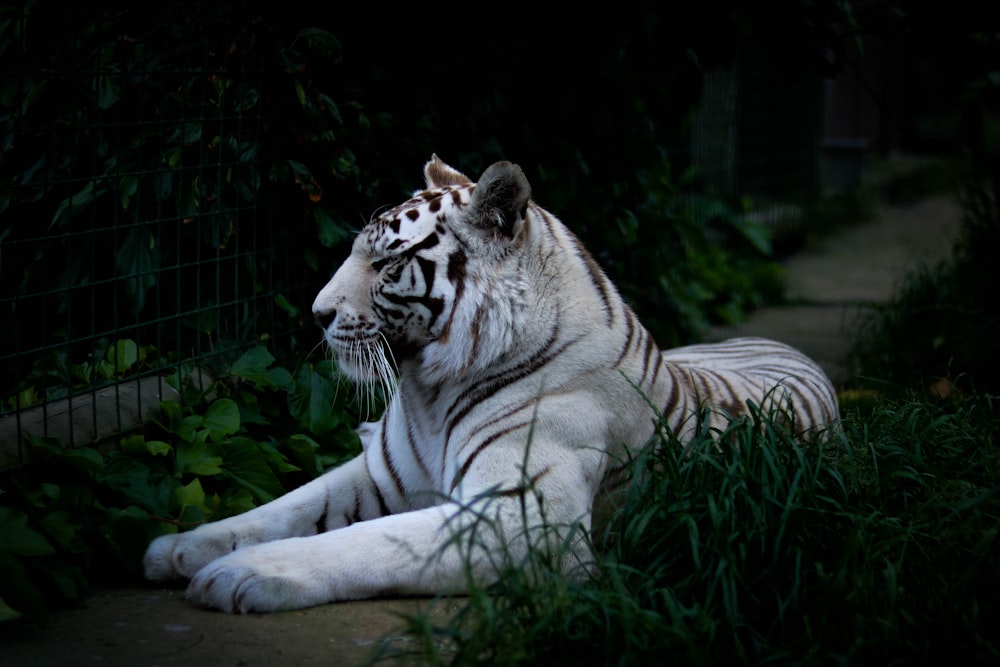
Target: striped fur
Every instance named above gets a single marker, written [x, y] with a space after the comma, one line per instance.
[514, 364]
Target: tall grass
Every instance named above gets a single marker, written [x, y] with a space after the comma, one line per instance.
[874, 545]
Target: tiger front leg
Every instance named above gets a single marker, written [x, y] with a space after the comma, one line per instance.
[429, 551]
[432, 551]
[328, 502]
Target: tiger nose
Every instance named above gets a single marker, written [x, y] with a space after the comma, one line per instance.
[325, 317]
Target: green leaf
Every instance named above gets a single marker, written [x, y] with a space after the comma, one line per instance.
[71, 206]
[253, 367]
[66, 529]
[134, 444]
[18, 539]
[127, 187]
[173, 412]
[303, 449]
[107, 89]
[138, 261]
[321, 40]
[274, 457]
[329, 231]
[194, 458]
[222, 418]
[123, 355]
[158, 447]
[172, 156]
[140, 484]
[758, 235]
[282, 302]
[245, 464]
[312, 400]
[6, 612]
[238, 501]
[191, 495]
[281, 378]
[19, 588]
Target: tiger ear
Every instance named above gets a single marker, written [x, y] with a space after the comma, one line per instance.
[500, 200]
[438, 174]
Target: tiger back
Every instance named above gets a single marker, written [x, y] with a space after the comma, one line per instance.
[519, 378]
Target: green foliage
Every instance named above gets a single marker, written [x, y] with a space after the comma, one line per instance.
[138, 178]
[55, 375]
[686, 259]
[875, 545]
[82, 516]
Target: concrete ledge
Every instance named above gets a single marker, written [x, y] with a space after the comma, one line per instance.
[83, 420]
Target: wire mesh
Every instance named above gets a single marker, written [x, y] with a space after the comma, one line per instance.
[138, 241]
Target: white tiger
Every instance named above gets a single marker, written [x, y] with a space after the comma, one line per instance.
[523, 380]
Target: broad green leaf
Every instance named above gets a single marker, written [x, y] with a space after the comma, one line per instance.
[172, 156]
[290, 309]
[140, 484]
[123, 355]
[222, 418]
[758, 235]
[191, 494]
[331, 107]
[312, 400]
[254, 367]
[107, 89]
[303, 449]
[137, 261]
[174, 413]
[66, 530]
[321, 40]
[245, 464]
[237, 501]
[281, 378]
[70, 206]
[128, 185]
[300, 172]
[329, 231]
[19, 539]
[158, 447]
[188, 429]
[20, 592]
[194, 458]
[134, 444]
[274, 457]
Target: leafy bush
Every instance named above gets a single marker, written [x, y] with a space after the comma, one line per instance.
[875, 546]
[82, 516]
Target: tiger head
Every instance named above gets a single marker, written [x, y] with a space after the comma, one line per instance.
[424, 280]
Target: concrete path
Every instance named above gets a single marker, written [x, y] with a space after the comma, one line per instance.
[832, 283]
[829, 284]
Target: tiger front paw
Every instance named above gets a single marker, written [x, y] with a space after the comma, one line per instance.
[258, 579]
[182, 555]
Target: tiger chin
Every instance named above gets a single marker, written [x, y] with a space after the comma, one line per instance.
[521, 382]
